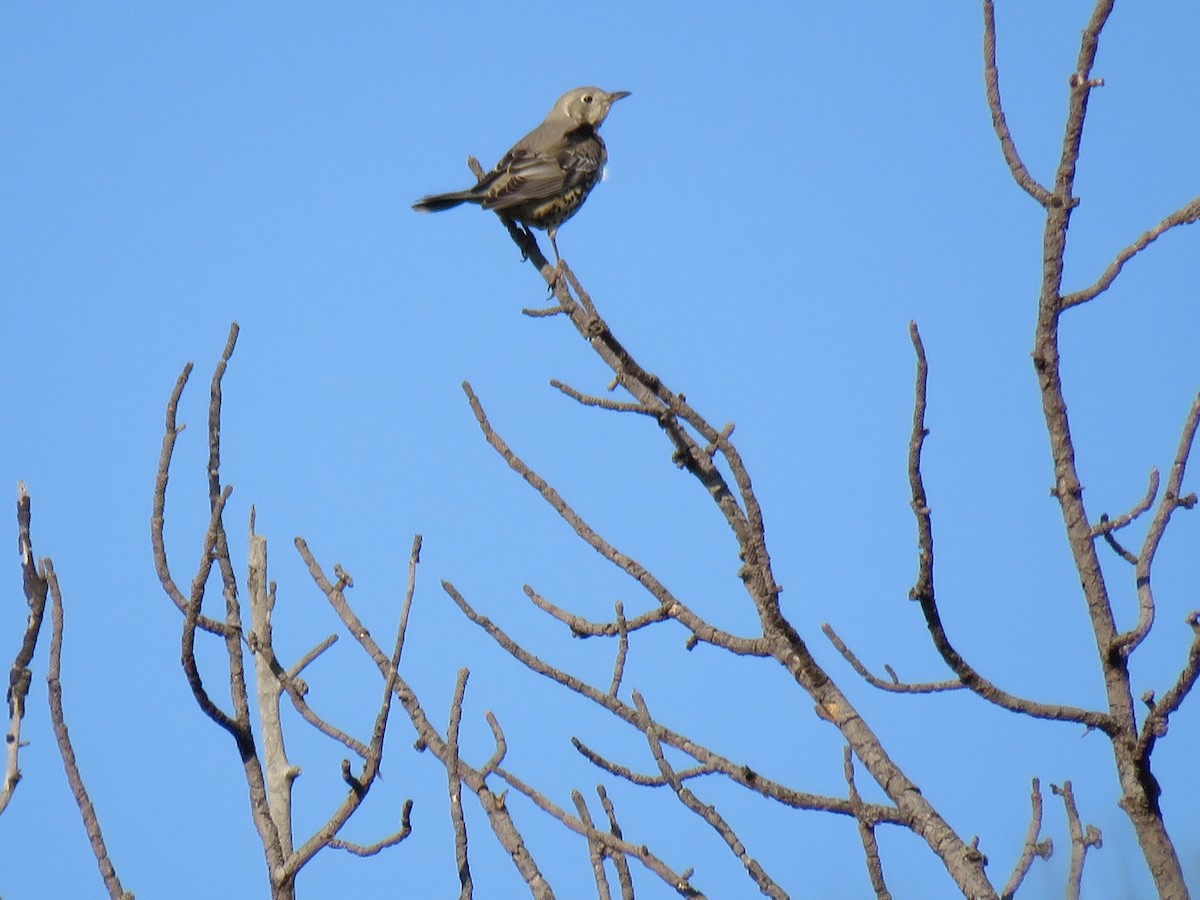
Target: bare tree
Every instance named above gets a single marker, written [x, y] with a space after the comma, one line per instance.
[707, 452]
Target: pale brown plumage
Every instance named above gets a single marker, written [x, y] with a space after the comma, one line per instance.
[544, 179]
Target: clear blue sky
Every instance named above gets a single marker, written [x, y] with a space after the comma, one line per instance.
[788, 186]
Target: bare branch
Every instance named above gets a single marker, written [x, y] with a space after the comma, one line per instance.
[1108, 526]
[20, 675]
[895, 685]
[270, 680]
[501, 822]
[709, 814]
[239, 732]
[296, 690]
[1081, 839]
[293, 674]
[361, 784]
[455, 786]
[638, 778]
[1187, 214]
[1139, 788]
[596, 850]
[866, 829]
[991, 77]
[581, 627]
[742, 774]
[1155, 725]
[923, 591]
[501, 750]
[622, 650]
[1127, 641]
[601, 402]
[1032, 846]
[158, 511]
[390, 841]
[680, 881]
[624, 879]
[91, 823]
[659, 591]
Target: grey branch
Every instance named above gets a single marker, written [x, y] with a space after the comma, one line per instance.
[91, 821]
[1032, 846]
[1185, 215]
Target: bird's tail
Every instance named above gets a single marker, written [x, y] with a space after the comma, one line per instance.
[438, 202]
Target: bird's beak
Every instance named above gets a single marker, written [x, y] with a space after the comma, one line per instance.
[617, 95]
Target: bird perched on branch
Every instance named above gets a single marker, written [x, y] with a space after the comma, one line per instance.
[544, 179]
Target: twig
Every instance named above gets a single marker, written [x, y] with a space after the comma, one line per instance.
[192, 614]
[1108, 526]
[632, 567]
[641, 779]
[1171, 500]
[622, 650]
[158, 510]
[501, 750]
[1185, 215]
[680, 881]
[499, 818]
[1117, 547]
[866, 829]
[390, 841]
[19, 675]
[1081, 839]
[1032, 846]
[91, 823]
[1155, 725]
[742, 774]
[601, 402]
[991, 76]
[296, 690]
[624, 878]
[895, 685]
[455, 787]
[708, 813]
[308, 659]
[923, 590]
[361, 784]
[596, 851]
[581, 627]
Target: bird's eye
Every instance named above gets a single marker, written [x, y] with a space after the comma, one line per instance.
[587, 98]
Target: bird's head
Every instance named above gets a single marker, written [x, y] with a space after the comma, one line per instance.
[587, 105]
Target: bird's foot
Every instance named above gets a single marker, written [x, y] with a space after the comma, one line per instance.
[553, 283]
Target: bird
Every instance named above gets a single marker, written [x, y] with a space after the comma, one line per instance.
[544, 179]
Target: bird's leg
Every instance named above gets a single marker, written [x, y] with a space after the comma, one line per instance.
[558, 260]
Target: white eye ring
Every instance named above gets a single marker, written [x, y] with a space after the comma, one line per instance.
[587, 98]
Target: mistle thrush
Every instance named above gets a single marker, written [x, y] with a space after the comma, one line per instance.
[544, 179]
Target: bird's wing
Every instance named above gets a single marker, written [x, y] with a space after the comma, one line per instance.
[526, 176]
